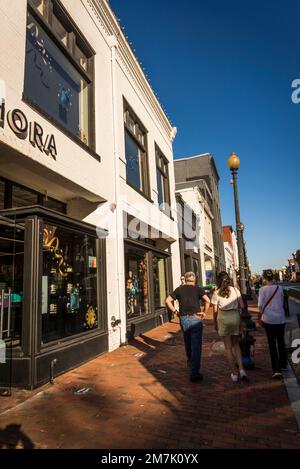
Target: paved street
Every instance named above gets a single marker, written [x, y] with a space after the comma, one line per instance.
[140, 397]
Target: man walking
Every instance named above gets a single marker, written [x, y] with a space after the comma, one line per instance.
[189, 297]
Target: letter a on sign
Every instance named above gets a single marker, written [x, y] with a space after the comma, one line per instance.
[50, 146]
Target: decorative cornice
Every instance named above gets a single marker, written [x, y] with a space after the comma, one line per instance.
[110, 26]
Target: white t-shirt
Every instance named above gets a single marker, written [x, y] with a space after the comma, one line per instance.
[225, 304]
[274, 312]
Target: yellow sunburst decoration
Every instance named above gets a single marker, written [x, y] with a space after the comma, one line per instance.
[91, 317]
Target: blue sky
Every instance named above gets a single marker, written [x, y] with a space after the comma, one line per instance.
[223, 71]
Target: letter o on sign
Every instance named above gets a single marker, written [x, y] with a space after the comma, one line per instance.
[18, 123]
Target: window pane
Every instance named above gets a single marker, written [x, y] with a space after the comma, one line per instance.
[159, 279]
[166, 190]
[160, 193]
[136, 271]
[69, 283]
[158, 160]
[59, 29]
[144, 171]
[11, 280]
[23, 198]
[83, 112]
[130, 122]
[2, 190]
[140, 135]
[132, 161]
[55, 205]
[54, 84]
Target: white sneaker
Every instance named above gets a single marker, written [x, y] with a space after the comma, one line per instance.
[243, 375]
[235, 377]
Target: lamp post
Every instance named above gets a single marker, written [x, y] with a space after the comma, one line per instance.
[234, 164]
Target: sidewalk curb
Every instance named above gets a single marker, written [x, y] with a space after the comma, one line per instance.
[293, 390]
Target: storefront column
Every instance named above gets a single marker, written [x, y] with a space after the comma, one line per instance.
[175, 259]
[31, 305]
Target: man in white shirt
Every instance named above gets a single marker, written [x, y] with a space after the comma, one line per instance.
[272, 318]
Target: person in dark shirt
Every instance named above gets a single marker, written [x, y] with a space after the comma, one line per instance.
[189, 297]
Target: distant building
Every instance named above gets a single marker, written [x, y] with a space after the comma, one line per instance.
[196, 246]
[190, 172]
[188, 228]
[231, 252]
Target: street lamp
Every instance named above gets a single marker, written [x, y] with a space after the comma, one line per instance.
[234, 164]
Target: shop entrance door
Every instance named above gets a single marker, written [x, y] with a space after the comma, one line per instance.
[11, 297]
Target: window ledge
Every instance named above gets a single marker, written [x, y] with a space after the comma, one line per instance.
[165, 212]
[140, 192]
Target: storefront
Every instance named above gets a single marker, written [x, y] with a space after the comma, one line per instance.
[52, 294]
[148, 283]
[78, 132]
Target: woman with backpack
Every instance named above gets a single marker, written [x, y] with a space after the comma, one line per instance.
[272, 319]
[227, 303]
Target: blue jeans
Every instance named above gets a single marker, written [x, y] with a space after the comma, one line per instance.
[192, 333]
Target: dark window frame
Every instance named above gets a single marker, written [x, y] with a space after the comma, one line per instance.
[143, 147]
[101, 327]
[150, 252]
[34, 218]
[74, 37]
[8, 191]
[162, 166]
[165, 257]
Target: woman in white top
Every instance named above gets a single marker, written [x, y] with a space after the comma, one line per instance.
[227, 302]
[272, 318]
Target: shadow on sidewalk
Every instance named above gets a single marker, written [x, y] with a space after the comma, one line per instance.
[12, 437]
[140, 396]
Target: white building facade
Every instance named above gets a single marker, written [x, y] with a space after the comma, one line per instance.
[202, 246]
[90, 248]
[231, 252]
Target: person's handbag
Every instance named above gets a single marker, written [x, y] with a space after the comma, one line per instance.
[267, 304]
[242, 332]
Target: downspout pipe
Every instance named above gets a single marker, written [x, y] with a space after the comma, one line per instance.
[113, 42]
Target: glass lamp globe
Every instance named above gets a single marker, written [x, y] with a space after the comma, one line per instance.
[233, 162]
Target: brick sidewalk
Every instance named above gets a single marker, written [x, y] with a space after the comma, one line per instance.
[141, 397]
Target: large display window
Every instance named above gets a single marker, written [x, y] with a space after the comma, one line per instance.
[146, 278]
[11, 280]
[159, 280]
[69, 283]
[137, 291]
[53, 309]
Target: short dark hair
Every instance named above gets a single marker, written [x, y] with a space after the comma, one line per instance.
[268, 275]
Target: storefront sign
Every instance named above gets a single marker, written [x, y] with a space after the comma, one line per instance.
[23, 129]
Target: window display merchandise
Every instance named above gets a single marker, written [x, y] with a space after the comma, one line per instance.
[70, 283]
[137, 283]
[11, 281]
